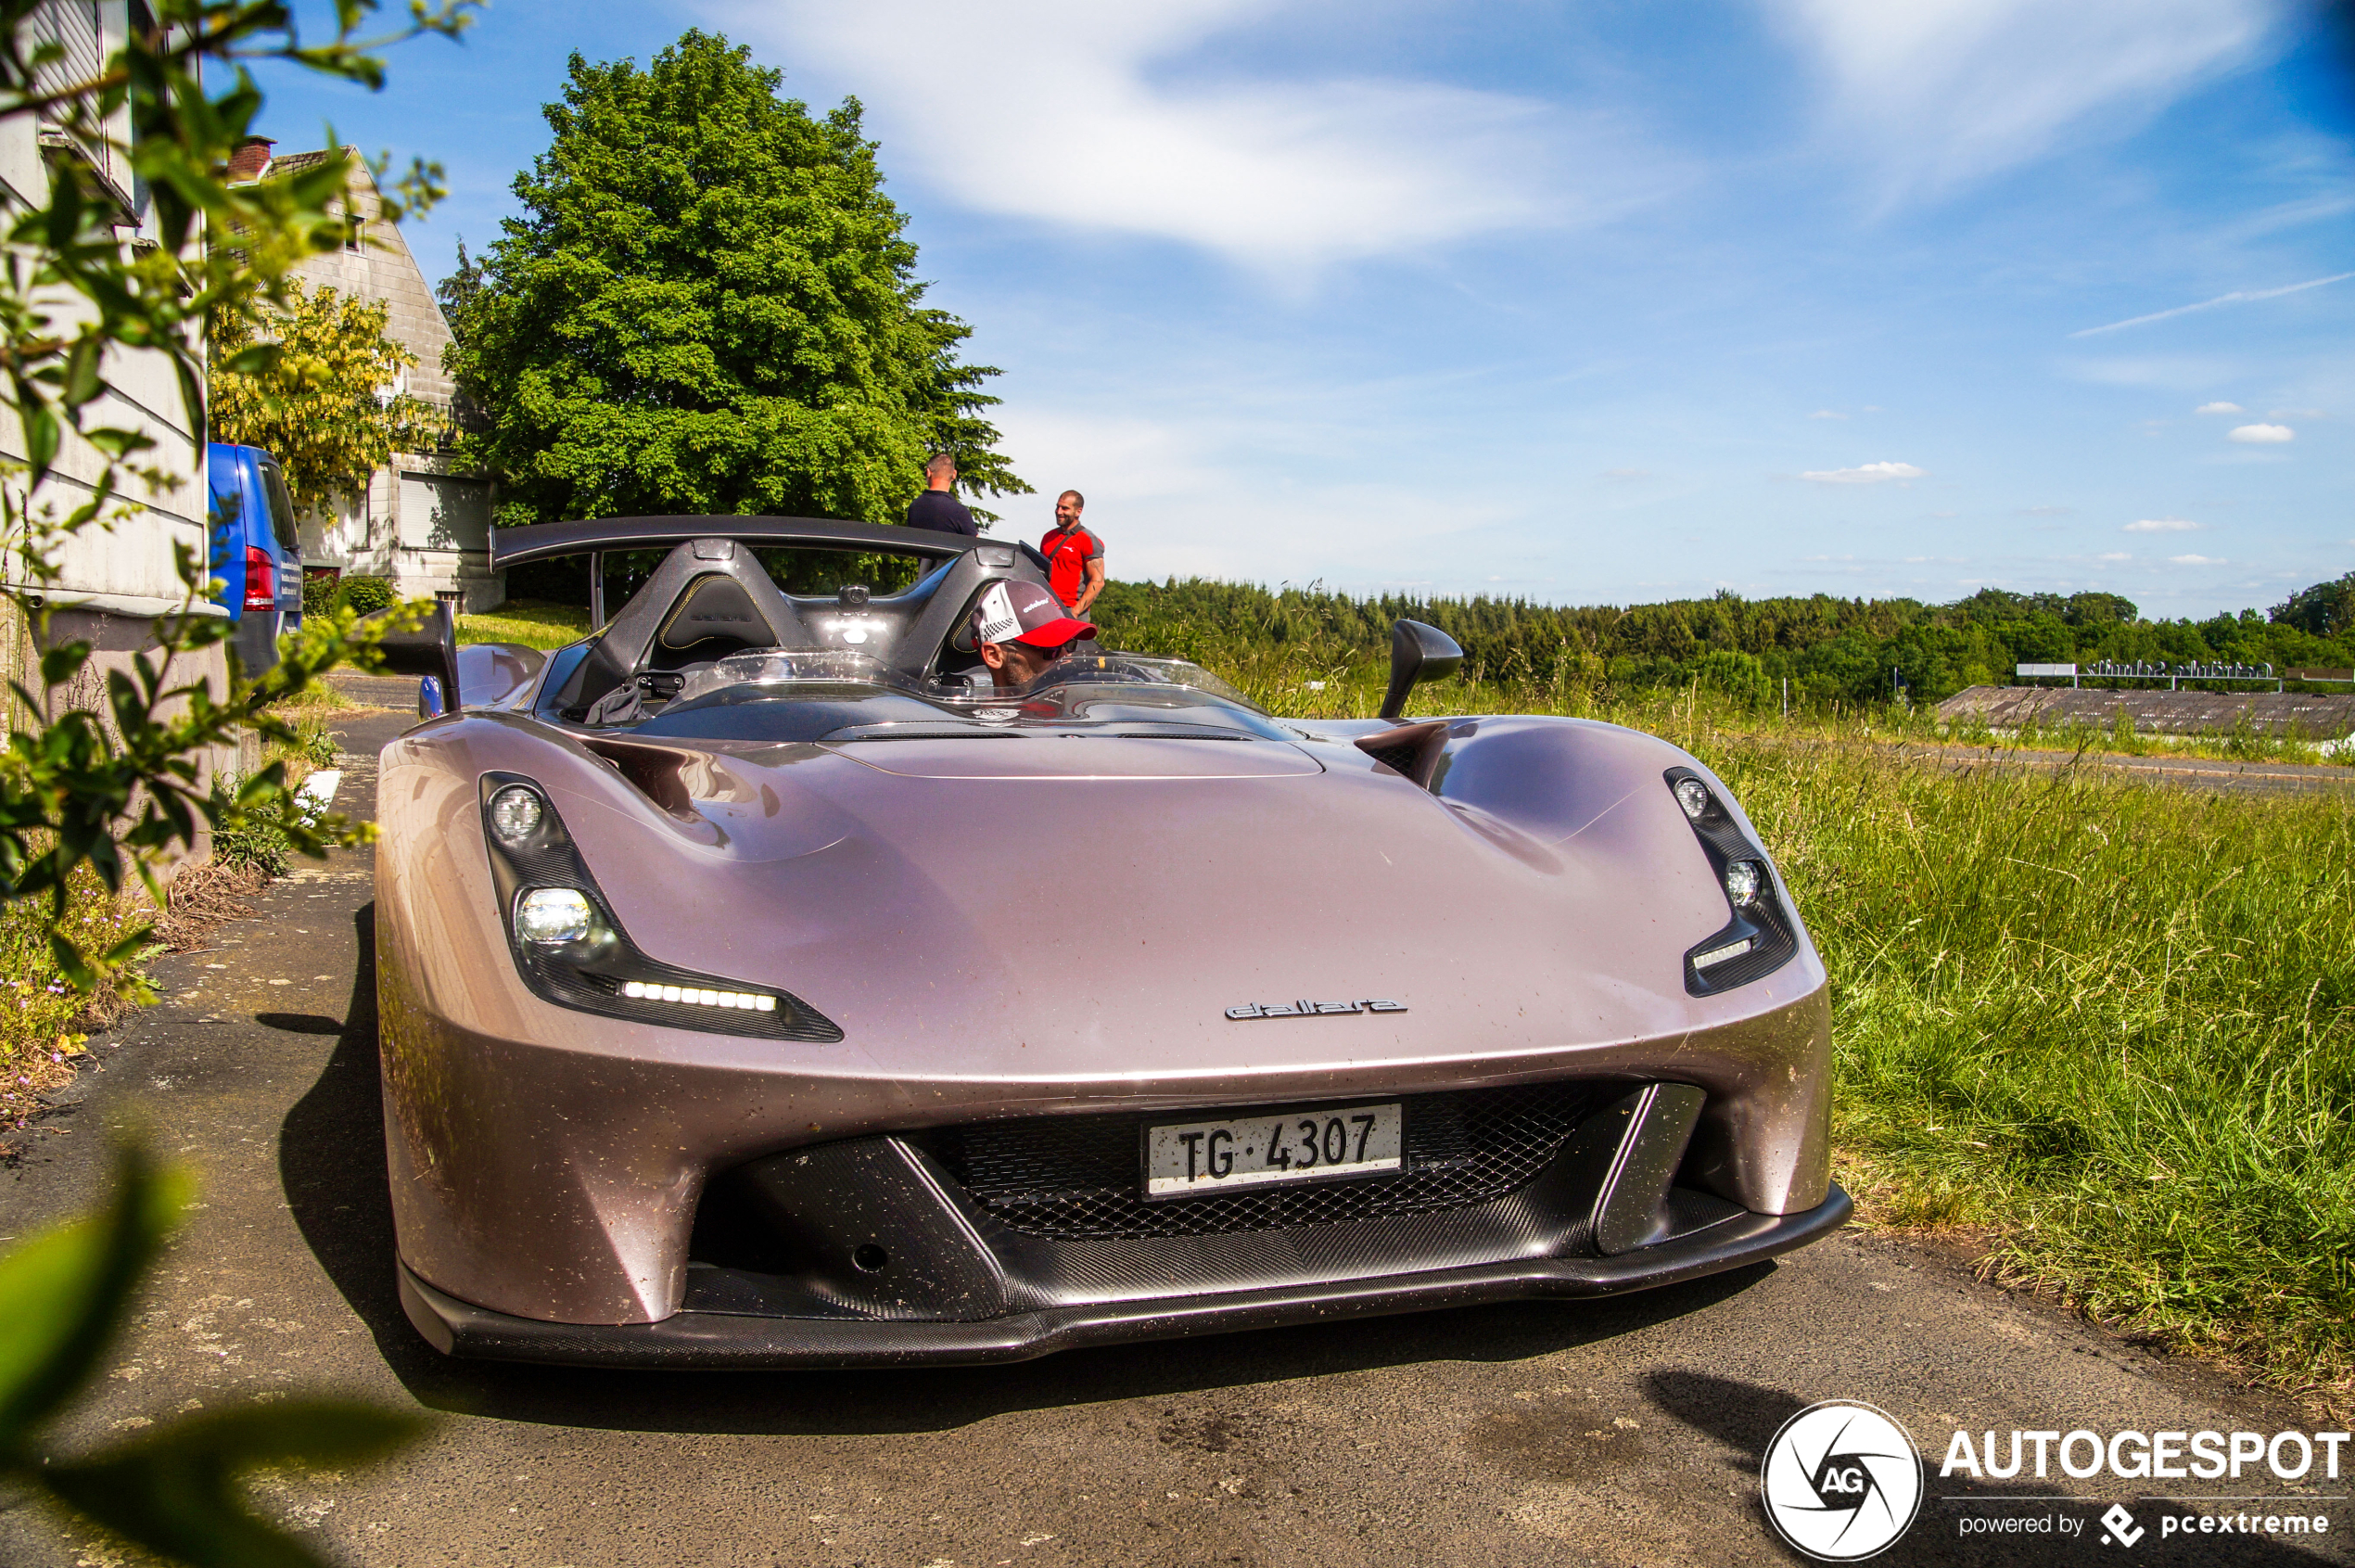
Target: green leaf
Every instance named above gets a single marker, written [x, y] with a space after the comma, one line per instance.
[42, 435]
[259, 359]
[175, 1492]
[82, 381]
[62, 663]
[62, 1293]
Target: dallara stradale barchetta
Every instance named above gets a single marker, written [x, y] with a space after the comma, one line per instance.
[762, 986]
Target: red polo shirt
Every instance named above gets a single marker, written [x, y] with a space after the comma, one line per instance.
[1067, 557]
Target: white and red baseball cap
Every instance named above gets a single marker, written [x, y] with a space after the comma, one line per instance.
[1024, 612]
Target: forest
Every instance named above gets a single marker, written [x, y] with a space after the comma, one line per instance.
[1828, 649]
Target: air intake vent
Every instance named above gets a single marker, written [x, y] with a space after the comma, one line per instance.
[1069, 1176]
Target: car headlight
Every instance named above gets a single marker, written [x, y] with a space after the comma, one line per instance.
[514, 814]
[571, 950]
[554, 915]
[1758, 936]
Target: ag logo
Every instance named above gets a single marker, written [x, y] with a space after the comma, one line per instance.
[1842, 1481]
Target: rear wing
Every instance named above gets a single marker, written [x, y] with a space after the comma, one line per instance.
[513, 547]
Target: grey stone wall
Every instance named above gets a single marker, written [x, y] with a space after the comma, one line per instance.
[2159, 712]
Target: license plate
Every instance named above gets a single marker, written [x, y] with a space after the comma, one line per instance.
[1252, 1149]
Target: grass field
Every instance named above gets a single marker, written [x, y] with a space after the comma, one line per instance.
[528, 621]
[2113, 1025]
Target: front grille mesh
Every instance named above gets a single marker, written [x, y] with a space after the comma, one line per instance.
[1072, 1177]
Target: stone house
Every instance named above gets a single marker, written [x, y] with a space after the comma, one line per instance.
[424, 522]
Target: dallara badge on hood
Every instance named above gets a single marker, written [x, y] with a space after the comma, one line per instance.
[1311, 1009]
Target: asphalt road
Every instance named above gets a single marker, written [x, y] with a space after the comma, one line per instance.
[1626, 1432]
[2183, 773]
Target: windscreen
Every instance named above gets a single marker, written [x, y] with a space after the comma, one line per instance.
[776, 696]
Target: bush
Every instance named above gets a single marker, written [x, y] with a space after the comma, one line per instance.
[367, 595]
[1738, 675]
[319, 593]
[318, 747]
[39, 1009]
[255, 843]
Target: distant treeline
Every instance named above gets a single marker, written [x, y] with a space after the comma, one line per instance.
[1828, 649]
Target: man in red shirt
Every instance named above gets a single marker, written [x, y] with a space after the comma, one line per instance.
[1074, 556]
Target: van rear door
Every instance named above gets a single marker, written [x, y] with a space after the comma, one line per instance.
[286, 540]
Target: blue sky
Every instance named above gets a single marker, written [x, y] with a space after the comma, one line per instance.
[1585, 303]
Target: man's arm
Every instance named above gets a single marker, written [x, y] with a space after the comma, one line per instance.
[1095, 583]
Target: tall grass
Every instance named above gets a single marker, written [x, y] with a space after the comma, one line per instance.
[2114, 1024]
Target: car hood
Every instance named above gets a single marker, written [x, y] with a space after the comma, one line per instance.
[1049, 909]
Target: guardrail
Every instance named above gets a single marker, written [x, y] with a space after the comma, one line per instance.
[2173, 674]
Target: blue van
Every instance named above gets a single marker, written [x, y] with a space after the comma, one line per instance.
[256, 552]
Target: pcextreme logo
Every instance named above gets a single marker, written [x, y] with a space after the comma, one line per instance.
[1842, 1481]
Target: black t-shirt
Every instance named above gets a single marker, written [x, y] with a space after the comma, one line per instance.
[943, 513]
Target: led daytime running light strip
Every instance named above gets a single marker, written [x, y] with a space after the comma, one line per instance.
[750, 1001]
[1719, 955]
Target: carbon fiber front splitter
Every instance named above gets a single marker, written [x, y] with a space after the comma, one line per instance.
[689, 1339]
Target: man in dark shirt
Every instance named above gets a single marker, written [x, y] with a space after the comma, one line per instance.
[939, 507]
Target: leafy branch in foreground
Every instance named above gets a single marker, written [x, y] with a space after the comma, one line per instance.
[64, 1296]
[93, 283]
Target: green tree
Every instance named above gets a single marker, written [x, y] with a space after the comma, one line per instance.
[710, 306]
[320, 406]
[2324, 610]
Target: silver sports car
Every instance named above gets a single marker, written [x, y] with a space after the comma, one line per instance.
[763, 985]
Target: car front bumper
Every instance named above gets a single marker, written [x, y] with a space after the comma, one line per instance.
[708, 1339]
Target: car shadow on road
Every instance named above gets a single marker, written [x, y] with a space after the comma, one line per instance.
[1744, 1417]
[331, 1164]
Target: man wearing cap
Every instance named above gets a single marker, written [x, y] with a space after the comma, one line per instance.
[1021, 629]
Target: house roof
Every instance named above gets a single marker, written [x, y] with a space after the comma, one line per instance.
[295, 162]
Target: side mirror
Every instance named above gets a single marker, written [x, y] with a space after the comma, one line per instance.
[1417, 653]
[426, 647]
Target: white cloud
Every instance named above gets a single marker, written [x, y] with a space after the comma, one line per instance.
[1865, 474]
[2220, 408]
[1186, 489]
[2262, 435]
[1062, 111]
[1625, 473]
[2047, 512]
[2160, 524]
[1827, 414]
[1946, 90]
[2198, 560]
[2114, 556]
